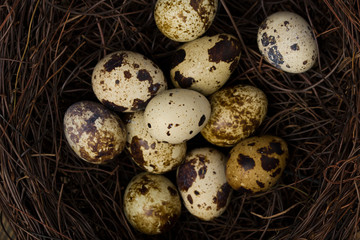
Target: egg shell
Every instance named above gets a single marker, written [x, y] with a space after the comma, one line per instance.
[205, 64]
[152, 203]
[96, 134]
[287, 42]
[183, 21]
[236, 112]
[125, 81]
[202, 183]
[256, 163]
[148, 153]
[176, 115]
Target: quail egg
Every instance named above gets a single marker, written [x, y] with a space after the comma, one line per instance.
[176, 115]
[236, 112]
[95, 133]
[152, 203]
[287, 42]
[256, 163]
[125, 81]
[202, 183]
[205, 64]
[148, 153]
[183, 21]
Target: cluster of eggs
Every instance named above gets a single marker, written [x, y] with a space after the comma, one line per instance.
[157, 122]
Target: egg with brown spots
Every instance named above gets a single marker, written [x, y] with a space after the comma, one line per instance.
[176, 115]
[148, 153]
[287, 42]
[125, 81]
[152, 203]
[183, 21]
[96, 134]
[256, 163]
[202, 183]
[205, 64]
[236, 112]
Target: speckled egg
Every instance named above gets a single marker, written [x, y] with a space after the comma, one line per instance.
[287, 42]
[202, 183]
[177, 115]
[236, 112]
[148, 153]
[125, 81]
[152, 203]
[256, 163]
[205, 64]
[95, 133]
[183, 21]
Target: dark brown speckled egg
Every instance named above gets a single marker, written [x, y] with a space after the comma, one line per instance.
[125, 81]
[96, 134]
[256, 163]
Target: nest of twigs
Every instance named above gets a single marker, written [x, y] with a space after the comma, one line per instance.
[48, 50]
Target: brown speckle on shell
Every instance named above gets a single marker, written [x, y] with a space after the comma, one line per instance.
[202, 120]
[186, 175]
[267, 40]
[178, 58]
[184, 82]
[274, 147]
[144, 75]
[222, 196]
[246, 162]
[225, 50]
[127, 75]
[202, 171]
[115, 61]
[269, 163]
[295, 47]
[113, 106]
[139, 104]
[136, 145]
[275, 56]
[261, 184]
[172, 191]
[189, 198]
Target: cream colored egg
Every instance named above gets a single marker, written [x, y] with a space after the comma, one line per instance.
[176, 115]
[205, 64]
[152, 203]
[287, 42]
[125, 81]
[96, 134]
[183, 21]
[202, 183]
[236, 112]
[148, 153]
[256, 164]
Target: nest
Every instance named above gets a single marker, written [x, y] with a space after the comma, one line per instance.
[48, 50]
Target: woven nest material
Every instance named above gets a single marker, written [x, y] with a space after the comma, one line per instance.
[48, 50]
